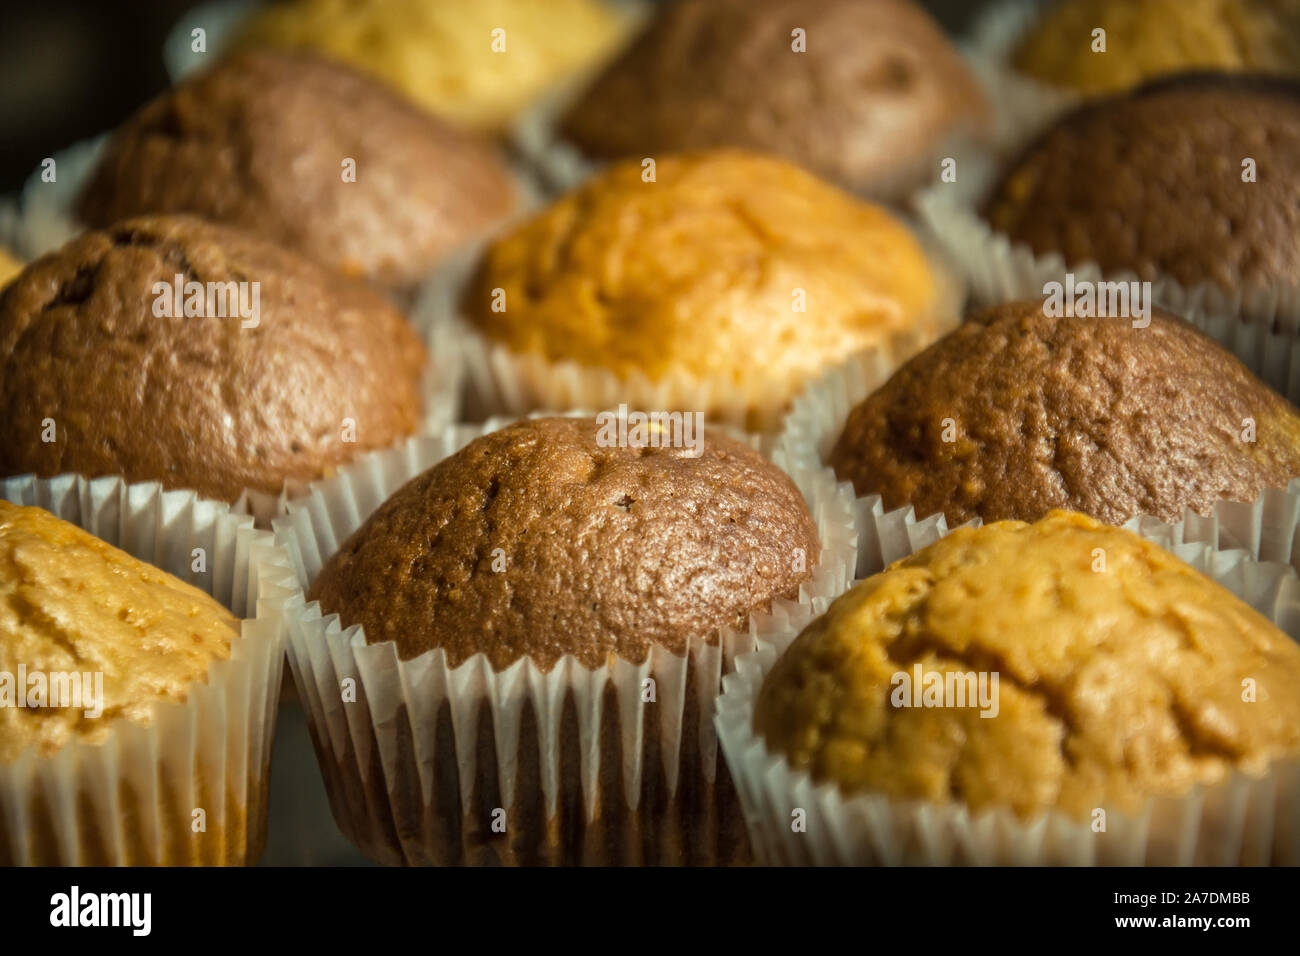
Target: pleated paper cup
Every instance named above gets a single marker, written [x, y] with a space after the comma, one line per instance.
[1268, 527]
[1243, 820]
[132, 799]
[426, 763]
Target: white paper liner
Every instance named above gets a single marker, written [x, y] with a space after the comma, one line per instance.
[1268, 528]
[417, 763]
[1248, 820]
[129, 800]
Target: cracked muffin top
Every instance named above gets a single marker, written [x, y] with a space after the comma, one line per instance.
[97, 379]
[1146, 39]
[1015, 413]
[538, 541]
[72, 604]
[1116, 681]
[869, 103]
[730, 267]
[260, 140]
[1153, 182]
[447, 55]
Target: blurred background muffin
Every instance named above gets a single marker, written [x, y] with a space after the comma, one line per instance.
[9, 267]
[865, 94]
[1016, 413]
[1194, 177]
[1146, 39]
[477, 64]
[731, 272]
[1114, 686]
[100, 376]
[312, 156]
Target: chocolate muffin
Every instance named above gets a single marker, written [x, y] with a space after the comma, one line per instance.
[310, 155]
[1153, 182]
[576, 590]
[869, 101]
[1112, 687]
[1016, 413]
[607, 551]
[289, 369]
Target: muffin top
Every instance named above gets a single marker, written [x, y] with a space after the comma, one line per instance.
[868, 101]
[1146, 39]
[263, 141]
[101, 375]
[1113, 685]
[74, 605]
[1016, 412]
[1153, 182]
[542, 539]
[447, 55]
[728, 265]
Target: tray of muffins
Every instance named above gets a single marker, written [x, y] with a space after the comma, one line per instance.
[704, 432]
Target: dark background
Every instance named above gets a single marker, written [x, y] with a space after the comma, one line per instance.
[70, 69]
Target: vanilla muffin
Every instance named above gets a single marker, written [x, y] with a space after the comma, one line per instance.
[1017, 412]
[869, 95]
[262, 141]
[595, 567]
[9, 267]
[149, 634]
[1146, 39]
[97, 378]
[447, 55]
[1114, 685]
[732, 269]
[1154, 182]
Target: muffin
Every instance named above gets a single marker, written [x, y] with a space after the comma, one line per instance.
[263, 141]
[868, 96]
[723, 286]
[1017, 412]
[1146, 39]
[1154, 182]
[288, 371]
[104, 654]
[560, 593]
[446, 55]
[9, 267]
[1116, 685]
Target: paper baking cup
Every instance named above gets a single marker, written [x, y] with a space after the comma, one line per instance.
[131, 799]
[1249, 820]
[1268, 528]
[578, 768]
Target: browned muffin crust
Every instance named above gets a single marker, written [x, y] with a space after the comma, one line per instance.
[1091, 415]
[259, 141]
[197, 402]
[1152, 182]
[606, 550]
[869, 104]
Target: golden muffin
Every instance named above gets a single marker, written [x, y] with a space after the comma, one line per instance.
[1120, 676]
[447, 55]
[727, 267]
[73, 604]
[1146, 39]
[9, 267]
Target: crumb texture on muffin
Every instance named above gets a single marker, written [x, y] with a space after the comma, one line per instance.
[260, 141]
[200, 401]
[446, 54]
[537, 541]
[1113, 685]
[703, 271]
[1146, 39]
[875, 92]
[72, 604]
[1154, 182]
[1015, 413]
